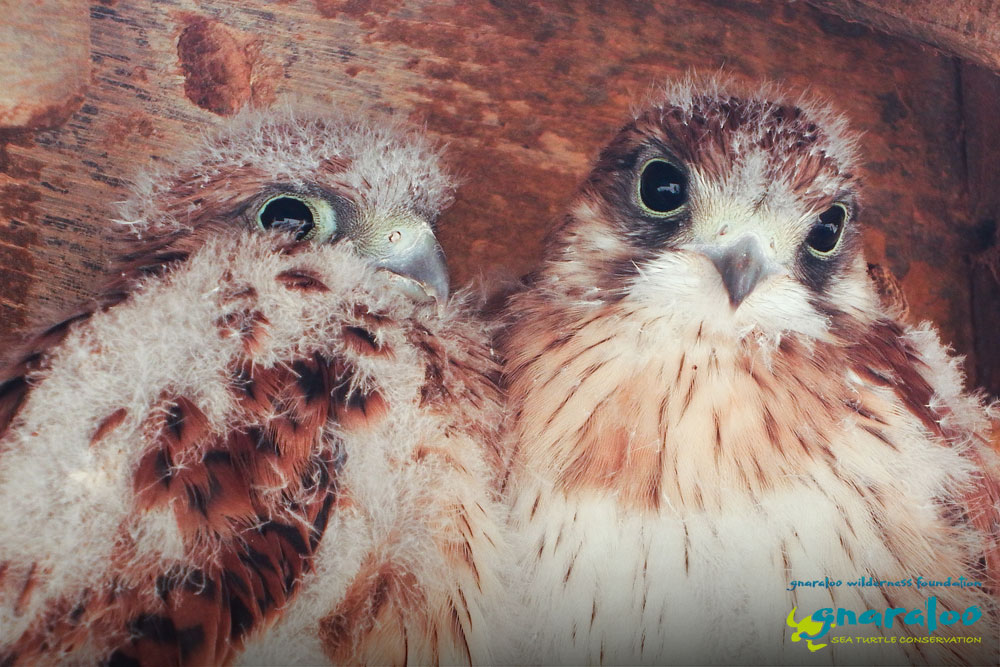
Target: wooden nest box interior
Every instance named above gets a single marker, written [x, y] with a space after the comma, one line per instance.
[523, 93]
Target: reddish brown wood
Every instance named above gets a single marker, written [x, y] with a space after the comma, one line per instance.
[524, 93]
[969, 29]
[980, 92]
[46, 62]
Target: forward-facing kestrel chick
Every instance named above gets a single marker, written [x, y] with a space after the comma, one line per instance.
[712, 404]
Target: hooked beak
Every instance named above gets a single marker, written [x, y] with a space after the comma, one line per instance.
[416, 256]
[742, 266]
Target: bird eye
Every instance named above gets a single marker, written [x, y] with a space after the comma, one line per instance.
[309, 219]
[662, 187]
[824, 237]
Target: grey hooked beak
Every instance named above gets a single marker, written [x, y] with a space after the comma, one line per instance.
[416, 256]
[742, 266]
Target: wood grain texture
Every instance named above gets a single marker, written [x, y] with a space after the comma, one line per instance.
[980, 91]
[43, 72]
[967, 28]
[523, 93]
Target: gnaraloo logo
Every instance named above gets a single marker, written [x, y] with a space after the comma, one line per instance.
[816, 626]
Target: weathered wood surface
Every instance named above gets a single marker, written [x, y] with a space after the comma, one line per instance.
[523, 93]
[981, 93]
[44, 73]
[969, 29]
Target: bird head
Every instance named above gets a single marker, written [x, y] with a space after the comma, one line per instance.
[732, 210]
[375, 188]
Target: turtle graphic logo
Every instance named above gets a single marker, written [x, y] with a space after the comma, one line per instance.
[807, 629]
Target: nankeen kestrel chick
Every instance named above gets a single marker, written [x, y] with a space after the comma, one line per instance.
[270, 440]
[710, 403]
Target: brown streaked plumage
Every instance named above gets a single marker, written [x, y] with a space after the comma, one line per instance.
[271, 439]
[710, 403]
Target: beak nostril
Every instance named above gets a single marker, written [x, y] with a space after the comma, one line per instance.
[772, 244]
[413, 254]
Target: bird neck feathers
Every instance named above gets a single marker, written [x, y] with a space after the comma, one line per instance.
[658, 411]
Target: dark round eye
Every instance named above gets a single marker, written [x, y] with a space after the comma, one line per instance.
[662, 187]
[308, 218]
[289, 214]
[824, 237]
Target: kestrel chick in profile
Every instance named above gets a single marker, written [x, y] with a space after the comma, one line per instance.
[271, 439]
[711, 404]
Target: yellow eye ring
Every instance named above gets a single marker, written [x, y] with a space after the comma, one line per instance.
[308, 218]
[661, 189]
[827, 231]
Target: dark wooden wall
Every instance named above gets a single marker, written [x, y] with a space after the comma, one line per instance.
[524, 94]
